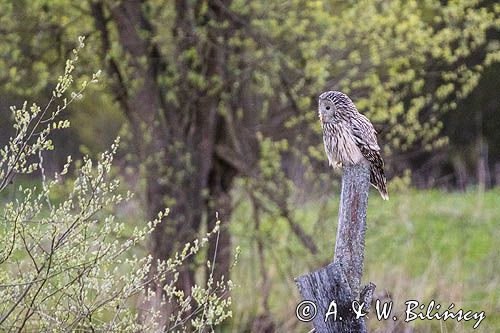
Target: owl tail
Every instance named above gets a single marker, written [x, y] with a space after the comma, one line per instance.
[377, 179]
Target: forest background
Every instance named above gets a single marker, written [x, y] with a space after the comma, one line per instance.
[215, 104]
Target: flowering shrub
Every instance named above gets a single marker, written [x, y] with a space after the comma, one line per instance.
[70, 265]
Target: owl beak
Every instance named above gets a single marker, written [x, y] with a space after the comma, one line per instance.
[321, 117]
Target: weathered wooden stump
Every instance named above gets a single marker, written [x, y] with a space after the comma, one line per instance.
[340, 281]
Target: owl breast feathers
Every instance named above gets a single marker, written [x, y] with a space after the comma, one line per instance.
[349, 137]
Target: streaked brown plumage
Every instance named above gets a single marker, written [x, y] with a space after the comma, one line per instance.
[349, 137]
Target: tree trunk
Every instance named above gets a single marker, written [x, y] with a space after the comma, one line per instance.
[219, 249]
[175, 142]
[335, 289]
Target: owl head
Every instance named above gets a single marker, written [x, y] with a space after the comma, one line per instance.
[334, 106]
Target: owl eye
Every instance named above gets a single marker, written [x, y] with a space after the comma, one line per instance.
[328, 108]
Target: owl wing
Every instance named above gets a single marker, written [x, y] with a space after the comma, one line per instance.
[365, 138]
[364, 134]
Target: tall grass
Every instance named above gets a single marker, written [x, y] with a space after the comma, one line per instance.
[422, 245]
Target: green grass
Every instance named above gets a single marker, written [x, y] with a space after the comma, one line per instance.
[420, 245]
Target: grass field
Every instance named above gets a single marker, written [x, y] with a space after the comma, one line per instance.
[421, 245]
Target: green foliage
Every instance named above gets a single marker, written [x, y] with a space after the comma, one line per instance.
[33, 126]
[70, 264]
[404, 62]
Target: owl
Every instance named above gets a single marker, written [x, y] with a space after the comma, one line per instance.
[349, 137]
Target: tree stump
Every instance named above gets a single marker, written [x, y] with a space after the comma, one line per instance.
[335, 289]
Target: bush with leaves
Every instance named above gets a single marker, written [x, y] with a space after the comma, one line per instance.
[65, 265]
